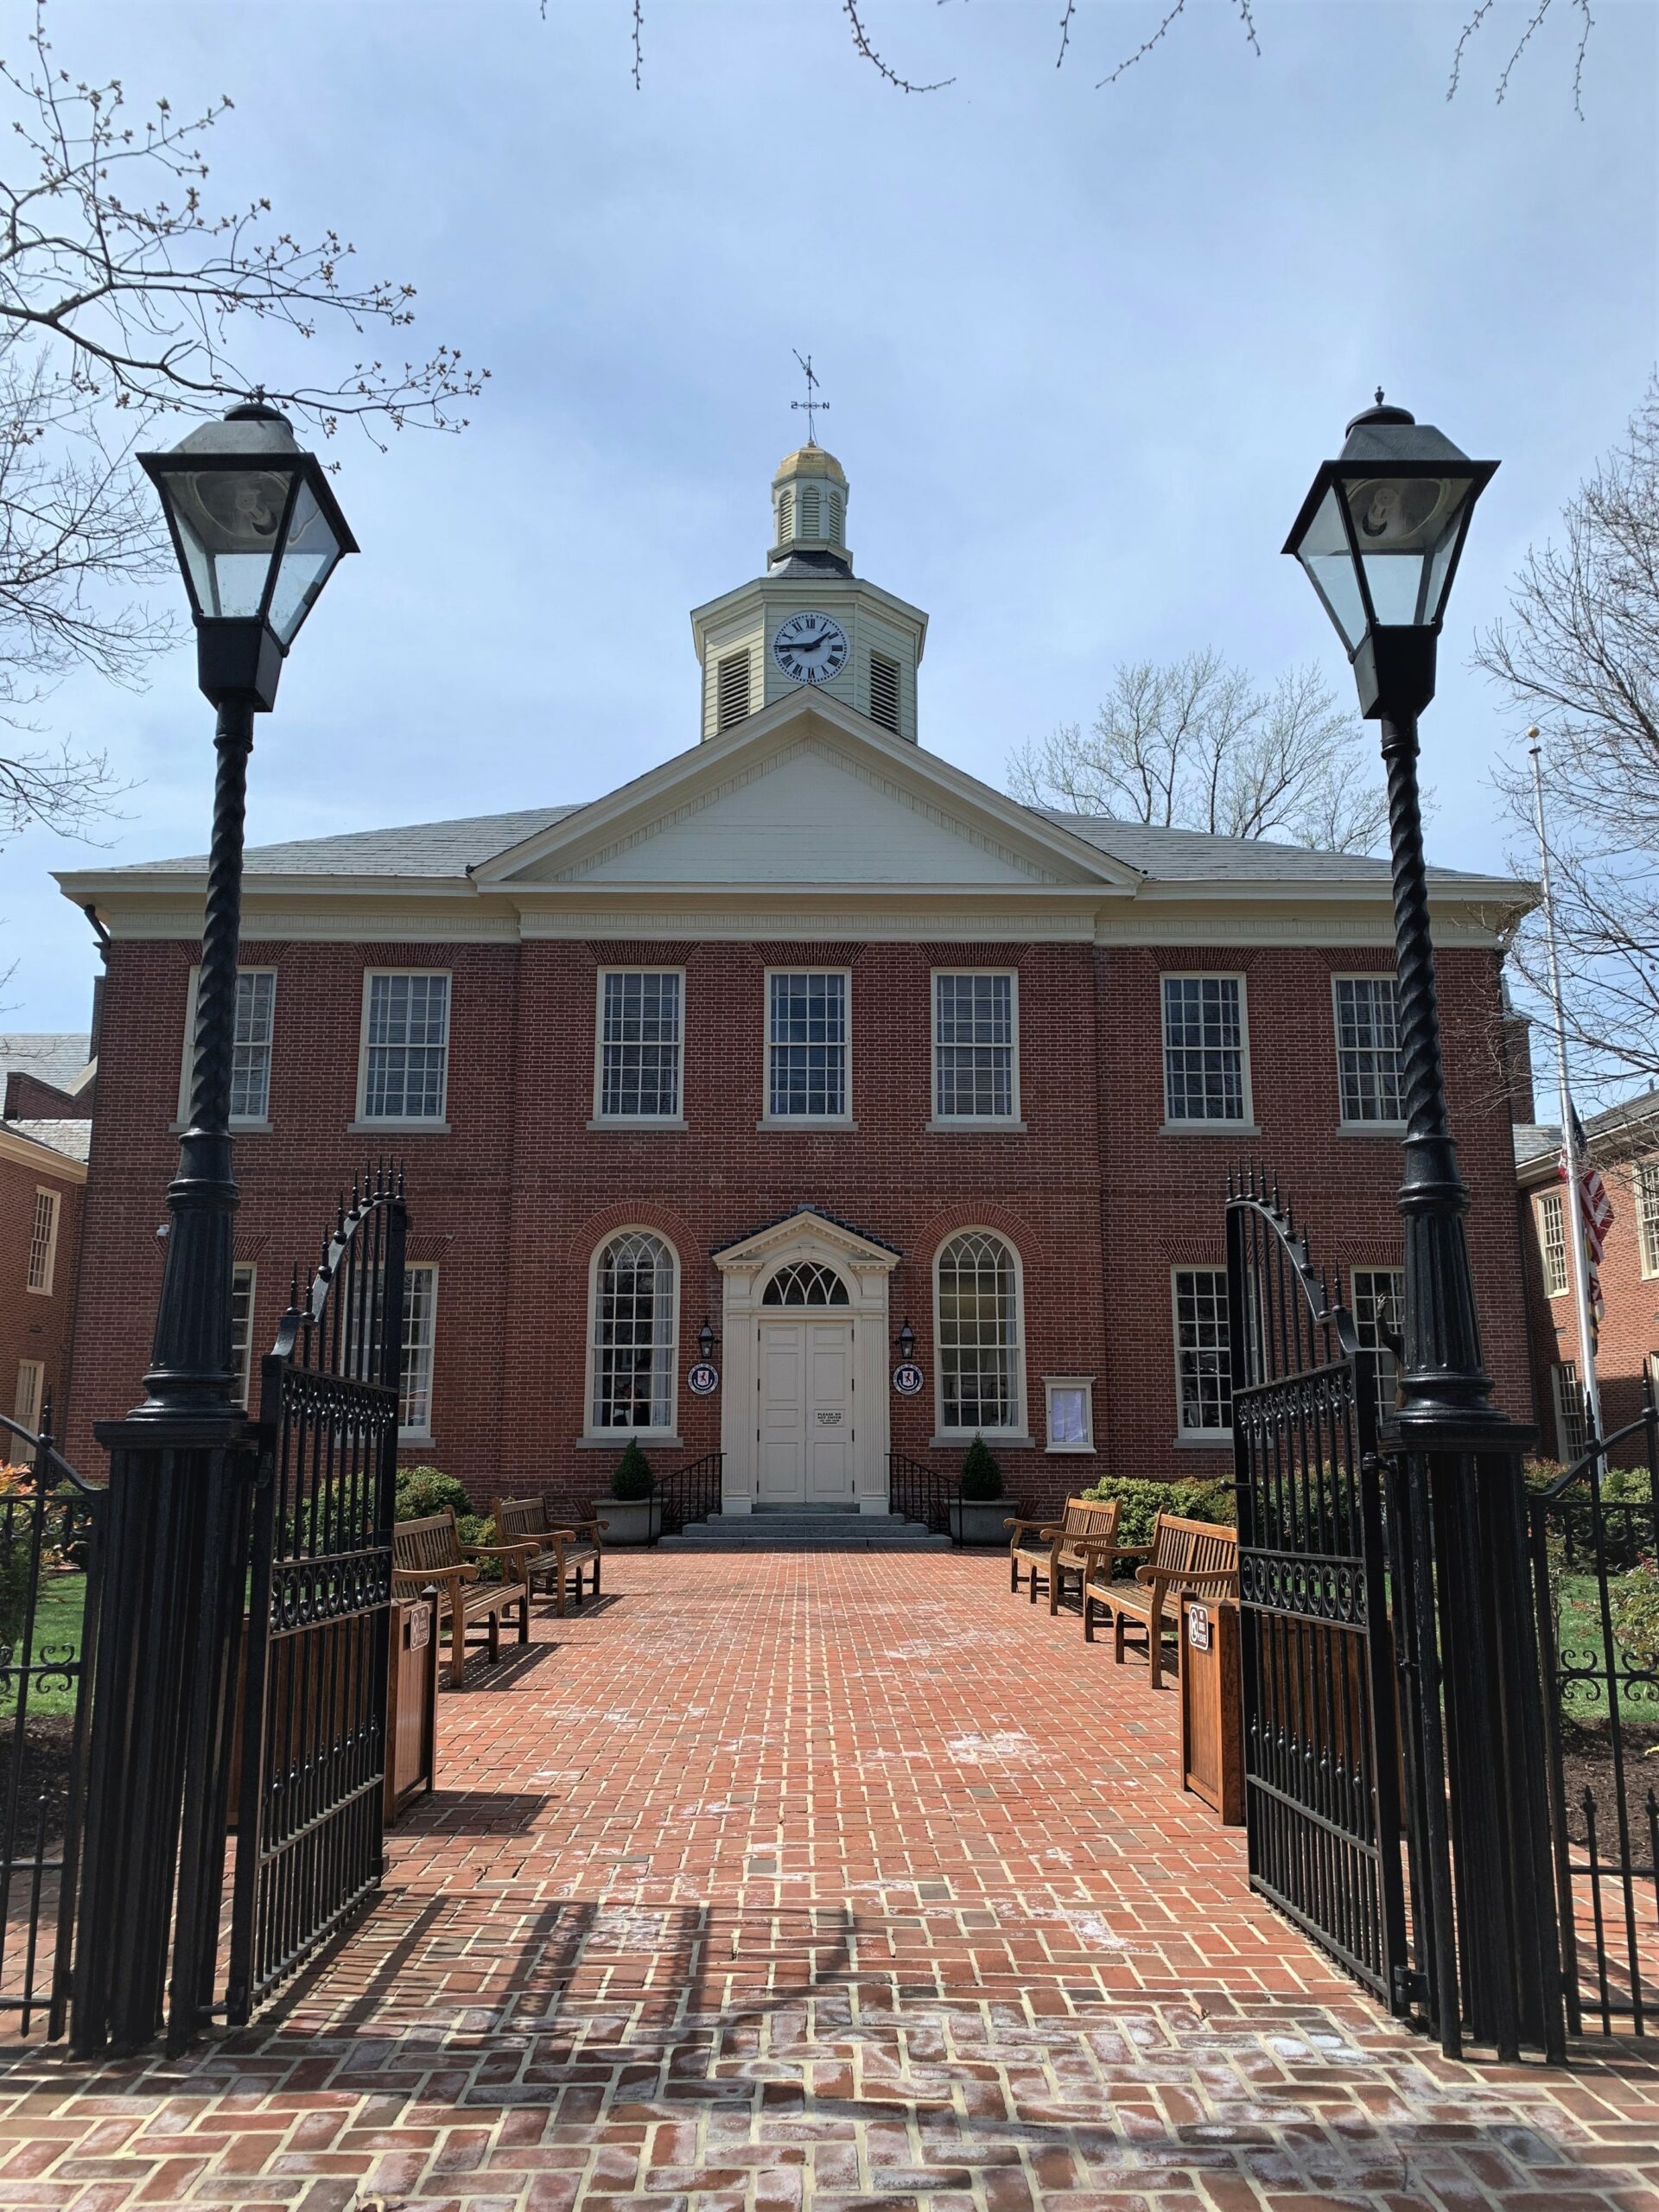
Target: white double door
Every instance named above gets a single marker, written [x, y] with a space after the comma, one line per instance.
[805, 1444]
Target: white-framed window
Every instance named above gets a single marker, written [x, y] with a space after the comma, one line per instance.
[43, 1241]
[1379, 1307]
[1368, 1050]
[244, 1277]
[633, 1319]
[1571, 1429]
[978, 1336]
[641, 1024]
[1645, 1184]
[1203, 1366]
[405, 1068]
[808, 1044]
[420, 1335]
[1069, 1406]
[1206, 1051]
[976, 1045]
[252, 1036]
[1552, 1243]
[26, 1407]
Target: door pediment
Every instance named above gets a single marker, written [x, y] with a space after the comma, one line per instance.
[809, 1235]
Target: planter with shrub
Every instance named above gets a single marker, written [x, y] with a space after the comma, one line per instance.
[979, 1511]
[632, 1513]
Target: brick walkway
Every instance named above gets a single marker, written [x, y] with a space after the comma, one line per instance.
[827, 1881]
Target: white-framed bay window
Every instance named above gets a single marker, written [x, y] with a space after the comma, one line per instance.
[1204, 1365]
[1069, 1406]
[979, 1337]
[1206, 1053]
[1366, 1011]
[253, 1034]
[404, 1062]
[809, 1066]
[639, 1046]
[633, 1305]
[975, 1026]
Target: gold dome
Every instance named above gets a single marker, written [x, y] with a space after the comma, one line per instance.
[810, 461]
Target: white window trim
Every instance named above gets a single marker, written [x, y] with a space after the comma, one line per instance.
[1204, 1439]
[1375, 1268]
[1345, 1127]
[1571, 1453]
[1248, 1127]
[436, 1125]
[602, 1120]
[428, 1435]
[1638, 1167]
[30, 1418]
[941, 1435]
[49, 1271]
[1008, 1122]
[247, 1124]
[1544, 1198]
[621, 1438]
[1086, 1384]
[769, 1120]
[245, 1375]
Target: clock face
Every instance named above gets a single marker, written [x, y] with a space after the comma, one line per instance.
[810, 648]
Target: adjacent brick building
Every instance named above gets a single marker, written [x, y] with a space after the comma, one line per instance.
[45, 1139]
[807, 1035]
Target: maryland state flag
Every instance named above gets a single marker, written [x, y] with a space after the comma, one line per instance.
[1595, 1214]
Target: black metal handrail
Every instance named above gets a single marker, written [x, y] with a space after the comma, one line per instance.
[919, 1492]
[692, 1492]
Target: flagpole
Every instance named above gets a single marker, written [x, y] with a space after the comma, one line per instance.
[1588, 1387]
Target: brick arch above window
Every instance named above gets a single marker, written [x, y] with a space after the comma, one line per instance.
[662, 1221]
[978, 1213]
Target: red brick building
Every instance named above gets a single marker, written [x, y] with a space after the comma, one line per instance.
[806, 1035]
[45, 1137]
[1624, 1143]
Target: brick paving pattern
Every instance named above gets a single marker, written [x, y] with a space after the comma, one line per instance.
[827, 1881]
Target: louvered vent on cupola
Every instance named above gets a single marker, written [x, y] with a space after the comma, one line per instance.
[884, 692]
[785, 516]
[731, 691]
[808, 511]
[837, 513]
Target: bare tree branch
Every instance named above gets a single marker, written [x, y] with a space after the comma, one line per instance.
[1196, 745]
[861, 40]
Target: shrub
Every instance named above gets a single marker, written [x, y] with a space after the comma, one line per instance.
[1141, 1503]
[423, 1490]
[1633, 1601]
[633, 1479]
[982, 1478]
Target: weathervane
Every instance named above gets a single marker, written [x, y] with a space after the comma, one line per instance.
[811, 403]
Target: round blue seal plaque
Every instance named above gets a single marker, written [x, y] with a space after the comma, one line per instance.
[703, 1379]
[907, 1378]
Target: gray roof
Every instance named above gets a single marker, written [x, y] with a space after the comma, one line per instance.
[50, 1056]
[1629, 1118]
[1535, 1141]
[72, 1139]
[449, 849]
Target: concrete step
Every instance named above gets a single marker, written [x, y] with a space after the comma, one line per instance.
[782, 1530]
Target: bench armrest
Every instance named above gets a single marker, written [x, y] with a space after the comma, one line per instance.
[1214, 1581]
[582, 1527]
[500, 1551]
[448, 1579]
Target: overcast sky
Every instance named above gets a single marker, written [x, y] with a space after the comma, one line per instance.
[1083, 349]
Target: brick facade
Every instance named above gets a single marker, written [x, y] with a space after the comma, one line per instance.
[36, 1325]
[512, 1202]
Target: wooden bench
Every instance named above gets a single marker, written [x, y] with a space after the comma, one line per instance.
[556, 1555]
[431, 1551]
[1050, 1550]
[1200, 1556]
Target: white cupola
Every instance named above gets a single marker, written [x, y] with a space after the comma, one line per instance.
[809, 510]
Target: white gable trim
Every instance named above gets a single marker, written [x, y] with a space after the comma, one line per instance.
[805, 1235]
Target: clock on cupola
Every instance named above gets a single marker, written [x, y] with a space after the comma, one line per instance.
[809, 623]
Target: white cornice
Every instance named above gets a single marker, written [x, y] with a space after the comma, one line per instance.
[29, 1151]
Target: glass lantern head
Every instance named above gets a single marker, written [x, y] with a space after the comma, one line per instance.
[705, 1340]
[1380, 532]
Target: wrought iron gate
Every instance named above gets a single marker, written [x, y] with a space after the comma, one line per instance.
[1321, 1741]
[310, 1798]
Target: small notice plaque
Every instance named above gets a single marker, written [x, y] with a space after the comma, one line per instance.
[703, 1379]
[419, 1628]
[829, 1421]
[1197, 1627]
[907, 1379]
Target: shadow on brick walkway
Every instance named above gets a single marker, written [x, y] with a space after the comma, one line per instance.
[827, 1881]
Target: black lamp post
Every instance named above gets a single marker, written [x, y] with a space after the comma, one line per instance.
[257, 533]
[1379, 535]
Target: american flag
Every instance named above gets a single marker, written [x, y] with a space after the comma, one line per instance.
[1595, 1211]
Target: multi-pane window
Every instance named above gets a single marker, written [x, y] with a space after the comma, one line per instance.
[806, 1045]
[1368, 1048]
[420, 1330]
[973, 1048]
[1552, 1243]
[242, 1283]
[1379, 1304]
[1572, 1428]
[1203, 1049]
[406, 1048]
[43, 1241]
[1646, 1178]
[1203, 1355]
[633, 1320]
[979, 1348]
[26, 1409]
[252, 1034]
[639, 1045]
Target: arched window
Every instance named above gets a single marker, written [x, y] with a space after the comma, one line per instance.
[785, 516]
[805, 1283]
[980, 1357]
[808, 511]
[634, 1308]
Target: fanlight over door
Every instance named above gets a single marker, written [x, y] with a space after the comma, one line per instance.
[805, 1282]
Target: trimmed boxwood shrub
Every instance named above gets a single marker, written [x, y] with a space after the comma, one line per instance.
[1141, 1503]
[982, 1478]
[424, 1491]
[634, 1479]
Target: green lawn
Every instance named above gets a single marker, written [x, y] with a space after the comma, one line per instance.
[1580, 1635]
[57, 1625]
